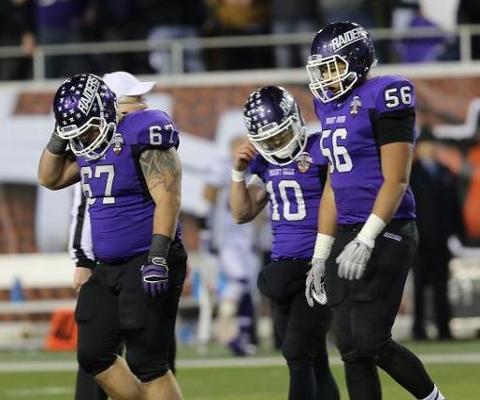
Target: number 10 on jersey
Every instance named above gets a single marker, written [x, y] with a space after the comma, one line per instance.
[286, 210]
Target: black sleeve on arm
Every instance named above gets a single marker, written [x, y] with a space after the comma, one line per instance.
[85, 263]
[394, 126]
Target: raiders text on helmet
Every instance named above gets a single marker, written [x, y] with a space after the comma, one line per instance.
[342, 54]
[82, 102]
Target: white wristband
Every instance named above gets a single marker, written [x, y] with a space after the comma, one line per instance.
[371, 229]
[323, 245]
[238, 176]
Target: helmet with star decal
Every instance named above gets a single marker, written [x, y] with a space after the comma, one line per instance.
[86, 114]
[275, 126]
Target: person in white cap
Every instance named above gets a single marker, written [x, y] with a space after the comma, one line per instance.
[130, 92]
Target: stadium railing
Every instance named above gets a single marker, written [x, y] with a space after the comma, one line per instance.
[176, 47]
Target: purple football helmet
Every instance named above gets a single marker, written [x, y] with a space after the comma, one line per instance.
[275, 126]
[82, 102]
[342, 54]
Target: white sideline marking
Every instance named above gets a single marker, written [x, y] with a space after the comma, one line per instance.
[44, 366]
[51, 391]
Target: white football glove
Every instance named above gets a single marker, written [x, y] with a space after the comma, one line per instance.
[315, 284]
[352, 261]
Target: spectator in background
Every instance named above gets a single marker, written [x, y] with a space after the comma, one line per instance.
[16, 29]
[469, 13]
[403, 11]
[469, 176]
[236, 18]
[238, 262]
[438, 217]
[172, 19]
[60, 22]
[117, 20]
[294, 17]
[405, 15]
[359, 11]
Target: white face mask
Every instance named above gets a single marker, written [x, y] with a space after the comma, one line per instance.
[287, 151]
[329, 72]
[100, 143]
[280, 144]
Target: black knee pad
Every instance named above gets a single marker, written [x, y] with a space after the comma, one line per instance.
[372, 348]
[295, 352]
[351, 357]
[147, 368]
[93, 361]
[383, 349]
[344, 343]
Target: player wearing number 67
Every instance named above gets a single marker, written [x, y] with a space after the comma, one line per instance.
[367, 237]
[130, 175]
[287, 172]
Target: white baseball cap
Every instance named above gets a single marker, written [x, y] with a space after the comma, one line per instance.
[125, 84]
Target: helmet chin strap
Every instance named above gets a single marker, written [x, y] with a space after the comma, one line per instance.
[287, 151]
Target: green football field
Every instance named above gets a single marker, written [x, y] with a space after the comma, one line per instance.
[454, 366]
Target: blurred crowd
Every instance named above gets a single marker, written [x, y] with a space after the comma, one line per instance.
[32, 23]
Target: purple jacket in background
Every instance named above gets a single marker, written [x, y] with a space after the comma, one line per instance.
[59, 14]
[421, 49]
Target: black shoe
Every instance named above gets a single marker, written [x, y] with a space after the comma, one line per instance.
[241, 348]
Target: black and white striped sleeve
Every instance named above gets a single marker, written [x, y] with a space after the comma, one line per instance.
[80, 243]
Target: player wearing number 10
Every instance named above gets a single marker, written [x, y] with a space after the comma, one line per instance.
[288, 173]
[367, 233]
[130, 175]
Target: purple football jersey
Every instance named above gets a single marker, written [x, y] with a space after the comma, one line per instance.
[349, 143]
[294, 196]
[59, 13]
[120, 205]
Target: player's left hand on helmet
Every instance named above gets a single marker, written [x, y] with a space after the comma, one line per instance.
[315, 283]
[352, 261]
[155, 276]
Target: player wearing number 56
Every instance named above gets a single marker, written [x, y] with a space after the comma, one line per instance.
[131, 176]
[287, 171]
[367, 232]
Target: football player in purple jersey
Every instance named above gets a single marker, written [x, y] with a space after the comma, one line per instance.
[288, 172]
[130, 174]
[367, 234]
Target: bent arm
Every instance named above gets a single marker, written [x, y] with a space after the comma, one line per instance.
[246, 201]
[163, 173]
[57, 171]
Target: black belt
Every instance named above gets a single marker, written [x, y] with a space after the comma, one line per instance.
[356, 227]
[350, 227]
